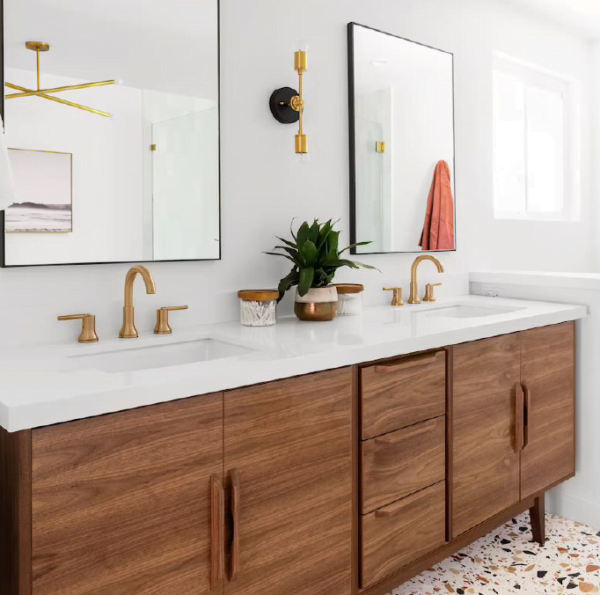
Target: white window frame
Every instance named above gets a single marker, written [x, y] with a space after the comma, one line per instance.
[533, 76]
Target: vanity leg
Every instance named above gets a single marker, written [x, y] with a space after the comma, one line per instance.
[537, 514]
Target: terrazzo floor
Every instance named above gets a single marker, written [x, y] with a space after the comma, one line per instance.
[506, 561]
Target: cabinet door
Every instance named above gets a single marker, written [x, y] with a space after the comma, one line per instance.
[548, 377]
[121, 503]
[288, 452]
[486, 454]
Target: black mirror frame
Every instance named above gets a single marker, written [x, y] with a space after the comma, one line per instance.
[352, 133]
[3, 263]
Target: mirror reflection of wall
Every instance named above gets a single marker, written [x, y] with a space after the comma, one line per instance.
[144, 137]
[402, 130]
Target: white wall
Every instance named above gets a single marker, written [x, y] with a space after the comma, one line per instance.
[595, 124]
[263, 187]
[107, 169]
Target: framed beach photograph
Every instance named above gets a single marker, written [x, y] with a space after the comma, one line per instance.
[44, 188]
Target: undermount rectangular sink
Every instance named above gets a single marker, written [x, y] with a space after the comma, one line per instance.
[463, 311]
[160, 356]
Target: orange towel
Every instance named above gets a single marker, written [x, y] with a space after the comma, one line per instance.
[438, 231]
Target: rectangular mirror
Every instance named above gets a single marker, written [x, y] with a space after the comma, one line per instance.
[111, 112]
[401, 93]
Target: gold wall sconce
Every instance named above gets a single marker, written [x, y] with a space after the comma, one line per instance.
[380, 146]
[42, 46]
[287, 105]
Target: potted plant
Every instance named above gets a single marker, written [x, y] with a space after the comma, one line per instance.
[316, 258]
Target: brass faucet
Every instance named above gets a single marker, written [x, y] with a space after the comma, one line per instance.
[414, 283]
[128, 330]
[396, 296]
[88, 326]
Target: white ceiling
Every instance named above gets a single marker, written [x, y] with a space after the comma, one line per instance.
[581, 16]
[164, 45]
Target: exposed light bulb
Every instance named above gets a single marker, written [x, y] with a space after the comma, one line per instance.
[303, 158]
[119, 82]
[302, 45]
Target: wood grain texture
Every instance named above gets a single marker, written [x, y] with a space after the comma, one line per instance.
[15, 513]
[235, 510]
[389, 583]
[217, 531]
[356, 475]
[548, 375]
[486, 463]
[537, 515]
[400, 463]
[449, 440]
[398, 534]
[519, 417]
[121, 503]
[291, 443]
[402, 392]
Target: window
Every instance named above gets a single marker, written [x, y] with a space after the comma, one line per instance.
[533, 176]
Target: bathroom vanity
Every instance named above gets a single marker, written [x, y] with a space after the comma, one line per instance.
[349, 479]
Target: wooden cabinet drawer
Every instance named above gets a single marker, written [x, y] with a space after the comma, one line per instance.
[403, 462]
[398, 534]
[402, 392]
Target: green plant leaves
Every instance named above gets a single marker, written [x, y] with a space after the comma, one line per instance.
[290, 280]
[355, 246]
[309, 254]
[282, 255]
[306, 280]
[324, 234]
[303, 233]
[316, 256]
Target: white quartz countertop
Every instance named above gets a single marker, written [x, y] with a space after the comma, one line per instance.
[53, 384]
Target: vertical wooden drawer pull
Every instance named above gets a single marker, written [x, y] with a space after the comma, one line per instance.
[217, 532]
[519, 417]
[235, 516]
[527, 416]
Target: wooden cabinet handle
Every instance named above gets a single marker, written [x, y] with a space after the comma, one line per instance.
[234, 558]
[519, 417]
[425, 359]
[526, 415]
[390, 510]
[217, 532]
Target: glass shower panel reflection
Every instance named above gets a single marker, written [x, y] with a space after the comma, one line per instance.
[374, 179]
[185, 182]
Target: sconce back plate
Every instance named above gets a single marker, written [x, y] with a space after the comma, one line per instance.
[280, 105]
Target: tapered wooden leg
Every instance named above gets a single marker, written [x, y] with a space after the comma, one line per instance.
[537, 513]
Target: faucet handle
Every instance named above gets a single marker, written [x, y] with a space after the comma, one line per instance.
[396, 295]
[429, 296]
[88, 326]
[162, 319]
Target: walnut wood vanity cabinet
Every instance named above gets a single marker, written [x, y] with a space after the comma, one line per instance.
[403, 462]
[457, 441]
[290, 442]
[514, 420]
[337, 483]
[247, 491]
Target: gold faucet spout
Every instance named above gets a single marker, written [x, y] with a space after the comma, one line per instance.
[414, 282]
[130, 280]
[128, 330]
